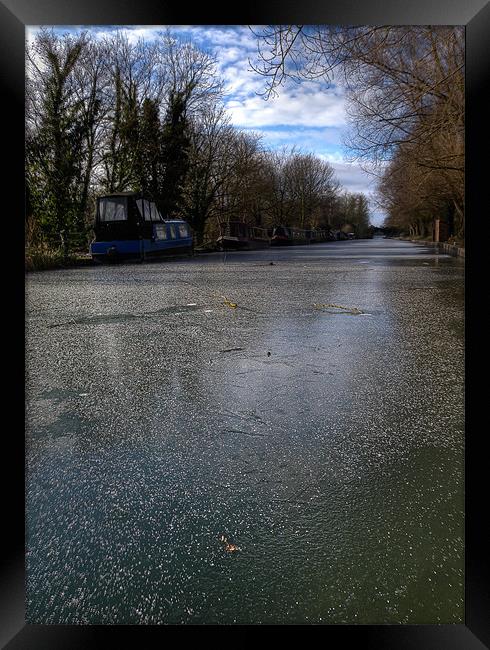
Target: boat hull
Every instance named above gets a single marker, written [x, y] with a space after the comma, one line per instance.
[138, 249]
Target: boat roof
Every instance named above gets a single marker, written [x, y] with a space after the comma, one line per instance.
[107, 196]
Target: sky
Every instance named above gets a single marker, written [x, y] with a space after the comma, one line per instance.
[308, 115]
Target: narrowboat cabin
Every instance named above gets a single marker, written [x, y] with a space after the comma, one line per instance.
[281, 236]
[236, 235]
[259, 237]
[299, 236]
[129, 225]
[316, 236]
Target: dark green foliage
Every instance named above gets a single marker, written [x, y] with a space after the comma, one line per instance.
[59, 145]
[174, 155]
[53, 160]
[149, 163]
[121, 156]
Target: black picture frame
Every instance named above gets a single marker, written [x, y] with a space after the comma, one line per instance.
[14, 16]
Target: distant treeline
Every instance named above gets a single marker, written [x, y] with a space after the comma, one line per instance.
[106, 115]
[405, 103]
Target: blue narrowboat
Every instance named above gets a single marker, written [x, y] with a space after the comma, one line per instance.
[129, 225]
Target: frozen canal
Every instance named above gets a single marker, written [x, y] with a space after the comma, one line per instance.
[225, 439]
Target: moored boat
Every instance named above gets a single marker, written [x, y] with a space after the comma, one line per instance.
[259, 237]
[129, 225]
[281, 236]
[237, 235]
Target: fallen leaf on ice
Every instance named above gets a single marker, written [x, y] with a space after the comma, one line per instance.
[229, 548]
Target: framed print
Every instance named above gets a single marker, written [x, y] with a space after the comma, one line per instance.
[239, 452]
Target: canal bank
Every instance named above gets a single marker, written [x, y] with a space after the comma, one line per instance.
[52, 262]
[444, 247]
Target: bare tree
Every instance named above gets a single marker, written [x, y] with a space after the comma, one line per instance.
[309, 180]
[404, 86]
[191, 74]
[210, 165]
[241, 194]
[278, 203]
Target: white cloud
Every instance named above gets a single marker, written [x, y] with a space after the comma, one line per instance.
[352, 176]
[317, 108]
[309, 139]
[222, 36]
[134, 34]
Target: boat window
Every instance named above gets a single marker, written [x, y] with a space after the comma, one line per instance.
[155, 215]
[183, 230]
[160, 231]
[260, 232]
[144, 208]
[113, 209]
[173, 232]
[139, 203]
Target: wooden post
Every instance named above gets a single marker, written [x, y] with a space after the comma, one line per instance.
[436, 230]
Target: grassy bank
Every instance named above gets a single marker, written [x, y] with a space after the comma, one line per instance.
[451, 247]
[41, 258]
